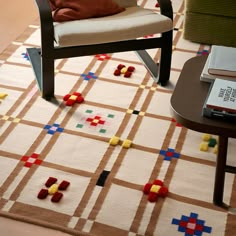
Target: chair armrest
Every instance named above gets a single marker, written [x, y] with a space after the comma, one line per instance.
[166, 8]
[46, 23]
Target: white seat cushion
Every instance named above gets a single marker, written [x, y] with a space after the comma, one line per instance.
[133, 23]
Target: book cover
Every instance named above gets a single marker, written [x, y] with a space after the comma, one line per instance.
[222, 61]
[222, 96]
[206, 77]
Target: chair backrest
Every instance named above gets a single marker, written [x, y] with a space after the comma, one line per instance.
[126, 3]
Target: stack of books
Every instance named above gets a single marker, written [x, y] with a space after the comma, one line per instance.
[220, 70]
[221, 100]
[221, 63]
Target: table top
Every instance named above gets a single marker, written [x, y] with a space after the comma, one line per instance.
[188, 98]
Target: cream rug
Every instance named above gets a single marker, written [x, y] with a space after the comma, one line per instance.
[102, 152]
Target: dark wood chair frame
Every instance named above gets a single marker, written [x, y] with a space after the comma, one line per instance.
[42, 59]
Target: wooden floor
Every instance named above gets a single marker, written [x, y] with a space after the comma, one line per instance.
[15, 16]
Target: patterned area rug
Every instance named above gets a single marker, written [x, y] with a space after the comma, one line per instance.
[95, 157]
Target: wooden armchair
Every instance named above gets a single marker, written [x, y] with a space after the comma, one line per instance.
[84, 37]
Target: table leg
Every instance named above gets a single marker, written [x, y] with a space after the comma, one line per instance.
[220, 171]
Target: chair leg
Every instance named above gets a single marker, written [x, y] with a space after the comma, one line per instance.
[47, 77]
[44, 72]
[165, 58]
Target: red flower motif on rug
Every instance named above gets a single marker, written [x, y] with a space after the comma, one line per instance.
[53, 189]
[95, 121]
[31, 160]
[102, 57]
[73, 98]
[126, 71]
[155, 190]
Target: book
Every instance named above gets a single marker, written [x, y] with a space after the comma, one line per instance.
[222, 96]
[222, 61]
[206, 77]
[223, 115]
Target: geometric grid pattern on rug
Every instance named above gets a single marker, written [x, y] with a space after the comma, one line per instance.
[106, 148]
